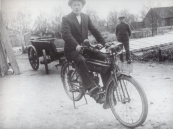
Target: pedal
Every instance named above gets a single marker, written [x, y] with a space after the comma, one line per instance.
[101, 100]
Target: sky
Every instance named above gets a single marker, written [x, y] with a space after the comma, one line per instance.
[11, 7]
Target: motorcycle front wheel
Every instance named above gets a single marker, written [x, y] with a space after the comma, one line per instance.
[128, 101]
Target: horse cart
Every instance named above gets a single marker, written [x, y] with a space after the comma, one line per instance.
[46, 48]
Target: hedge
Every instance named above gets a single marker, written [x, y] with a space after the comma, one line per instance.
[153, 55]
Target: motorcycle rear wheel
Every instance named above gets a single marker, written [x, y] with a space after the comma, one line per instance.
[67, 72]
[128, 102]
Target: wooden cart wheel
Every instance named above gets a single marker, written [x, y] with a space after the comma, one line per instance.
[45, 62]
[33, 57]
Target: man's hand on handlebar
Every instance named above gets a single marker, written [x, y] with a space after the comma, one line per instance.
[99, 46]
[79, 48]
[108, 45]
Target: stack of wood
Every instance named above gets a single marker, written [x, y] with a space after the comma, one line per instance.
[6, 51]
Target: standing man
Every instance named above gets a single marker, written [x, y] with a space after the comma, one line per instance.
[123, 33]
[75, 28]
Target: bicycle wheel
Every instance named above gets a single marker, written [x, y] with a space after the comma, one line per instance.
[33, 57]
[70, 80]
[128, 102]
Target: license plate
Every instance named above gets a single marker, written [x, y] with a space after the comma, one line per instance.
[124, 67]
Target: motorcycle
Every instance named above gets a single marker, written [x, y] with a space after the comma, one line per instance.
[121, 93]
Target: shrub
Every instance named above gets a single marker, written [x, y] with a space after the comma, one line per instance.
[167, 55]
[153, 55]
[106, 35]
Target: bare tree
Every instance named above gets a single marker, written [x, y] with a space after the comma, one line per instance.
[21, 23]
[113, 17]
[144, 12]
[100, 24]
[50, 24]
[112, 21]
[5, 18]
[41, 25]
[129, 18]
[55, 21]
[94, 16]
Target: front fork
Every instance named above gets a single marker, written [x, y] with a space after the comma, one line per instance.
[120, 87]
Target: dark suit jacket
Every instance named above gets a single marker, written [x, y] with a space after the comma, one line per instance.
[74, 34]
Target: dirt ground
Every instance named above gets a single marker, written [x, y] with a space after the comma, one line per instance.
[34, 100]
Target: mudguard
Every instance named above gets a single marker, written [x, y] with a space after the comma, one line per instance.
[119, 74]
[64, 63]
[62, 68]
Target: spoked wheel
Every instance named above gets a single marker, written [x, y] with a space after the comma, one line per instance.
[71, 81]
[45, 61]
[128, 102]
[33, 57]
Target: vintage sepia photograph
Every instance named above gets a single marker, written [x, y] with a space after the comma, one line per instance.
[86, 64]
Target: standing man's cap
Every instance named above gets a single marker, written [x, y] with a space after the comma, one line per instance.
[71, 1]
[121, 16]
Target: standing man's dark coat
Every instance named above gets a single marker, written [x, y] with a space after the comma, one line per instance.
[74, 33]
[123, 33]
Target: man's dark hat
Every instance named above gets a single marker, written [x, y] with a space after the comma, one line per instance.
[71, 1]
[121, 16]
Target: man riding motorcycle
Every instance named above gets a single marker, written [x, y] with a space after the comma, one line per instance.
[75, 28]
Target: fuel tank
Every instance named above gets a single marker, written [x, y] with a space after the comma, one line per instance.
[97, 66]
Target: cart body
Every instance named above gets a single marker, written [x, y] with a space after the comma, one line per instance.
[46, 48]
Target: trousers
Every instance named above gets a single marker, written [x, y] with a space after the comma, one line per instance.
[83, 71]
[124, 39]
[80, 61]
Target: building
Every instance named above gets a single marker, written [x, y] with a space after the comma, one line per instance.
[159, 17]
[14, 37]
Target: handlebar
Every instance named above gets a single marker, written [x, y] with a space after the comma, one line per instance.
[112, 47]
[86, 44]
[92, 48]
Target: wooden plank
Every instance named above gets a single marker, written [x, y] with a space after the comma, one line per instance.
[3, 61]
[137, 49]
[151, 42]
[166, 37]
[159, 41]
[7, 45]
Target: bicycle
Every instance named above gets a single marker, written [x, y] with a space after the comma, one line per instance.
[122, 93]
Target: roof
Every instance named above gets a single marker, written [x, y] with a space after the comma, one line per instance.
[164, 12]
